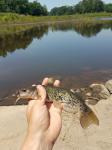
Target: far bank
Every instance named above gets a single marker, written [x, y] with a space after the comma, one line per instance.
[12, 18]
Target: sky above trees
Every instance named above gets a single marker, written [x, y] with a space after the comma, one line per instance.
[53, 3]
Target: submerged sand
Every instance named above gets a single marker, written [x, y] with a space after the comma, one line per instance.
[13, 127]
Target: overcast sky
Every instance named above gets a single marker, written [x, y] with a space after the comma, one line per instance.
[52, 3]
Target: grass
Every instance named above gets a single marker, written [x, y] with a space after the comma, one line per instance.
[12, 18]
[12, 23]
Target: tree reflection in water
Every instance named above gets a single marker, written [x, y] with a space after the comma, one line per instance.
[12, 38]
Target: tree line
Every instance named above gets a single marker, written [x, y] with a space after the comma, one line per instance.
[84, 6]
[36, 9]
[23, 7]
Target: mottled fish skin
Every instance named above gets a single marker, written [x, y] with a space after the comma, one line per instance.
[72, 102]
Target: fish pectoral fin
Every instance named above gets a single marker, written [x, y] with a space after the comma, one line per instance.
[88, 118]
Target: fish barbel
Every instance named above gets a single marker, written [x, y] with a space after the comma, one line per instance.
[72, 102]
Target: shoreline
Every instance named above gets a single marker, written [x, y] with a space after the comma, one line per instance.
[17, 19]
[96, 90]
[39, 23]
[96, 20]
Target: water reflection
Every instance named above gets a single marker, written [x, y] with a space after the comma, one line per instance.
[69, 51]
[21, 40]
[84, 29]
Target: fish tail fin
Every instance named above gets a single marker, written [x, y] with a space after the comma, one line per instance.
[88, 118]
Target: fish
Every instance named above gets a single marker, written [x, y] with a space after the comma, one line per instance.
[72, 102]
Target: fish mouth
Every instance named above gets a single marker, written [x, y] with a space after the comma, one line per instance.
[18, 94]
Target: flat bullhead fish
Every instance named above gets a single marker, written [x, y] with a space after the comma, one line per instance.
[72, 102]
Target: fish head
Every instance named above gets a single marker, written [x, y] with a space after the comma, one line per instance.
[25, 94]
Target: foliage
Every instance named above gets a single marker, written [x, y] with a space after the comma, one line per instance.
[87, 6]
[84, 6]
[36, 9]
[23, 7]
[66, 10]
[108, 7]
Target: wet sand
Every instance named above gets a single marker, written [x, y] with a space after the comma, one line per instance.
[13, 129]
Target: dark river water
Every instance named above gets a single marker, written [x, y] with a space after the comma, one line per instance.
[77, 54]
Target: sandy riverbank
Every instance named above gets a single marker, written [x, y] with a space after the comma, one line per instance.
[13, 128]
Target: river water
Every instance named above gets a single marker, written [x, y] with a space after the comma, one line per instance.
[77, 54]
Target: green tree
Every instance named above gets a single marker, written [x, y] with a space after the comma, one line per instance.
[98, 6]
[78, 7]
[87, 6]
[3, 6]
[37, 9]
[108, 7]
[23, 7]
[63, 10]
